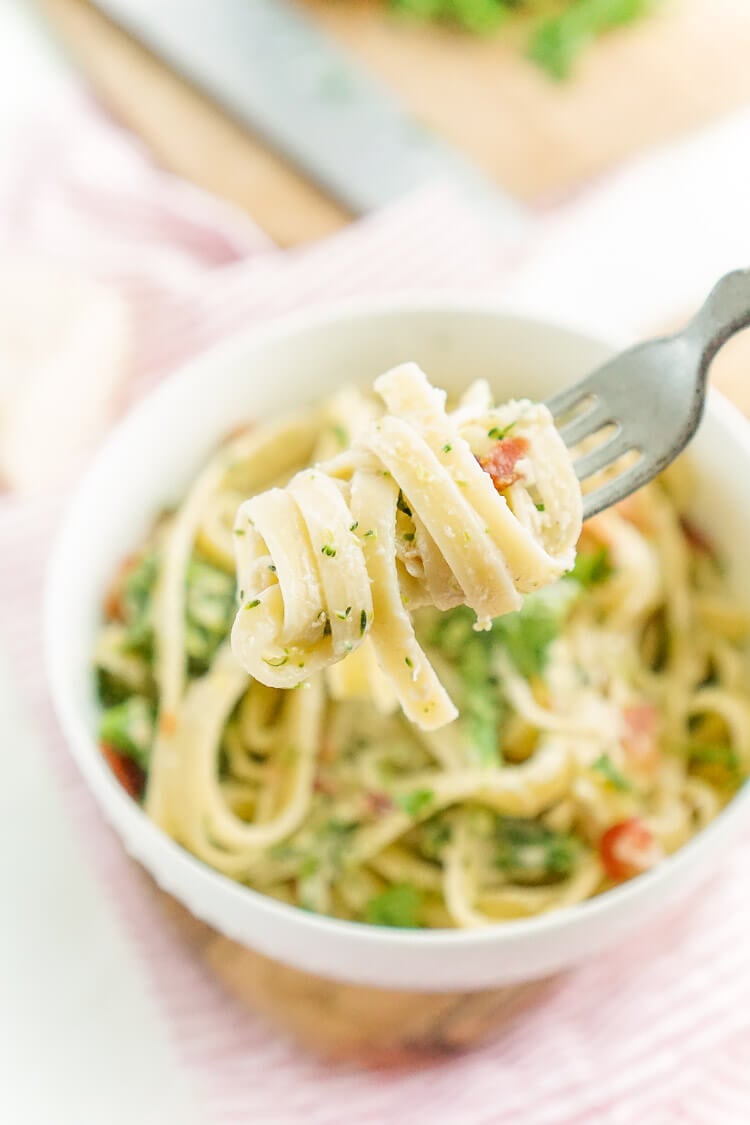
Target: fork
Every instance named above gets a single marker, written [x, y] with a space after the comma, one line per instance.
[649, 399]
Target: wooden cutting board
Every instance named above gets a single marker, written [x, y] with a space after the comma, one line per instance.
[538, 139]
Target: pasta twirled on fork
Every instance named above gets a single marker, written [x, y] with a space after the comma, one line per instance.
[427, 508]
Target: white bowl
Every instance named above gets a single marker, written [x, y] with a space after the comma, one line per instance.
[149, 461]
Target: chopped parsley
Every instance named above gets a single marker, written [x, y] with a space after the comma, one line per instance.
[609, 771]
[723, 755]
[524, 637]
[434, 837]
[719, 764]
[540, 507]
[560, 32]
[402, 505]
[591, 568]
[370, 534]
[398, 906]
[415, 803]
[498, 434]
[344, 614]
[362, 622]
[253, 603]
[447, 447]
[528, 852]
[210, 609]
[408, 662]
[309, 866]
[408, 537]
[560, 39]
[129, 728]
[328, 550]
[341, 434]
[354, 526]
[528, 633]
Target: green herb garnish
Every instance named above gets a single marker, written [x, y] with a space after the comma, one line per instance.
[362, 622]
[308, 867]
[341, 435]
[609, 771]
[559, 35]
[129, 728]
[529, 852]
[402, 505]
[415, 803]
[498, 434]
[591, 568]
[327, 549]
[397, 906]
[704, 755]
[559, 40]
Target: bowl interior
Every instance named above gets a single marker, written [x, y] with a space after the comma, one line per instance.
[150, 460]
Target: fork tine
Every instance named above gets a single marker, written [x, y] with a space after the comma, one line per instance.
[566, 400]
[605, 454]
[586, 424]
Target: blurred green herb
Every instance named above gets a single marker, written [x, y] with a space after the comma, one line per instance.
[398, 905]
[558, 41]
[129, 728]
[415, 803]
[561, 30]
[524, 637]
[528, 852]
[591, 568]
[609, 771]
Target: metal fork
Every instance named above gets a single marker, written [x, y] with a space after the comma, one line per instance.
[651, 397]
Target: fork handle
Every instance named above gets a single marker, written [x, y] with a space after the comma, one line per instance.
[725, 312]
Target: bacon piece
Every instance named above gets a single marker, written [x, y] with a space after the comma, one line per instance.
[502, 460]
[129, 774]
[640, 741]
[114, 608]
[325, 785]
[697, 539]
[378, 803]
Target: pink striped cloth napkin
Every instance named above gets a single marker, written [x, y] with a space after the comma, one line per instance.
[657, 1031]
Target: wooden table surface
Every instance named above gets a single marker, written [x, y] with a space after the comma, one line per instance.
[536, 138]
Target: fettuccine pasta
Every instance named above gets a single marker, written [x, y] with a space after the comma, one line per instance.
[601, 719]
[326, 562]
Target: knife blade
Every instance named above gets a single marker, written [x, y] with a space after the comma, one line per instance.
[271, 68]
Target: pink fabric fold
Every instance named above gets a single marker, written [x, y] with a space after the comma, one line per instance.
[657, 1030]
